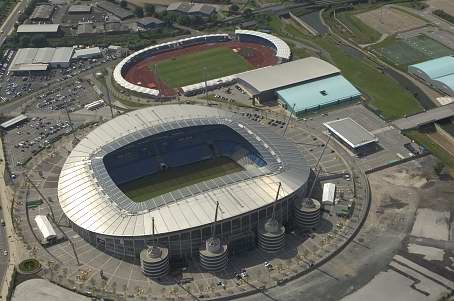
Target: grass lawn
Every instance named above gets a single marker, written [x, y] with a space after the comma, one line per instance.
[189, 69]
[172, 179]
[384, 93]
[362, 33]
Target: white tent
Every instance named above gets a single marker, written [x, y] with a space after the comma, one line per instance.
[45, 227]
[329, 191]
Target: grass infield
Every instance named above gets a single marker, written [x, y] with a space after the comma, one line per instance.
[172, 179]
[189, 69]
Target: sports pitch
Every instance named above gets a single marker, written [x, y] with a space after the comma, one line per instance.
[404, 52]
[172, 179]
[190, 69]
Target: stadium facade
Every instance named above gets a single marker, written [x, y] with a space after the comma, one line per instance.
[156, 139]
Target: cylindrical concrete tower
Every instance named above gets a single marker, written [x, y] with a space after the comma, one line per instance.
[154, 261]
[214, 256]
[270, 236]
[307, 213]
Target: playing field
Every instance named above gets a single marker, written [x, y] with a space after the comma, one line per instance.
[191, 68]
[175, 178]
[404, 52]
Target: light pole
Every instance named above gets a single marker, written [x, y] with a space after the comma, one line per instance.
[289, 118]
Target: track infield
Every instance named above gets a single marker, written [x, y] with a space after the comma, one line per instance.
[191, 68]
[172, 179]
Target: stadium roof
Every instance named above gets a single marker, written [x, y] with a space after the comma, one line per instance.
[318, 93]
[287, 74]
[37, 59]
[437, 67]
[38, 28]
[448, 81]
[351, 132]
[283, 51]
[12, 122]
[79, 8]
[91, 200]
[115, 9]
[42, 12]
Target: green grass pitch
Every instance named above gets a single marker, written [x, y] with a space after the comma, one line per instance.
[172, 179]
[189, 69]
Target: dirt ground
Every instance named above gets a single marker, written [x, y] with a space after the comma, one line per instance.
[390, 20]
[446, 5]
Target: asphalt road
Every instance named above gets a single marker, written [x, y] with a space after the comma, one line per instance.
[3, 246]
[11, 20]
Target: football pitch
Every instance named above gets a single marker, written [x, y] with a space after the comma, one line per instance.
[172, 179]
[191, 68]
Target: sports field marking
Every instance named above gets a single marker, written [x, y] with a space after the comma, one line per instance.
[190, 69]
[172, 179]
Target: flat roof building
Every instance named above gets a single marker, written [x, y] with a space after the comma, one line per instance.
[115, 10]
[317, 94]
[87, 53]
[150, 23]
[86, 29]
[79, 9]
[263, 82]
[438, 73]
[13, 122]
[351, 134]
[38, 28]
[42, 13]
[192, 9]
[40, 59]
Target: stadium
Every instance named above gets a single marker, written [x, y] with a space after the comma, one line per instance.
[190, 65]
[155, 176]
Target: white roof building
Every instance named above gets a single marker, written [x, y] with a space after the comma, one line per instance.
[45, 227]
[87, 53]
[39, 59]
[38, 28]
[329, 192]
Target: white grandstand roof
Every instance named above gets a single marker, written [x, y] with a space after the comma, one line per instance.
[118, 76]
[287, 74]
[282, 49]
[96, 204]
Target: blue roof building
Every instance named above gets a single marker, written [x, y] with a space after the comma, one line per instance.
[319, 93]
[438, 73]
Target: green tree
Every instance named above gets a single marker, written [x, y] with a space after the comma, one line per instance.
[138, 12]
[149, 9]
[234, 8]
[123, 3]
[247, 13]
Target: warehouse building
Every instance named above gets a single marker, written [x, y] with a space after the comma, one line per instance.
[88, 53]
[115, 10]
[47, 29]
[79, 9]
[149, 23]
[191, 9]
[29, 60]
[317, 94]
[263, 83]
[42, 13]
[438, 73]
[352, 135]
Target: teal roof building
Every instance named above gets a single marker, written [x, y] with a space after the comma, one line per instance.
[316, 94]
[438, 73]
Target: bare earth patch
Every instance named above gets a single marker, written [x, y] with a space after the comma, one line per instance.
[446, 5]
[390, 20]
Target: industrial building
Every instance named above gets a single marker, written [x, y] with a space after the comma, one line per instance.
[42, 13]
[47, 29]
[115, 10]
[191, 9]
[14, 122]
[263, 83]
[254, 201]
[41, 59]
[87, 53]
[438, 73]
[79, 9]
[314, 95]
[150, 23]
[352, 135]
